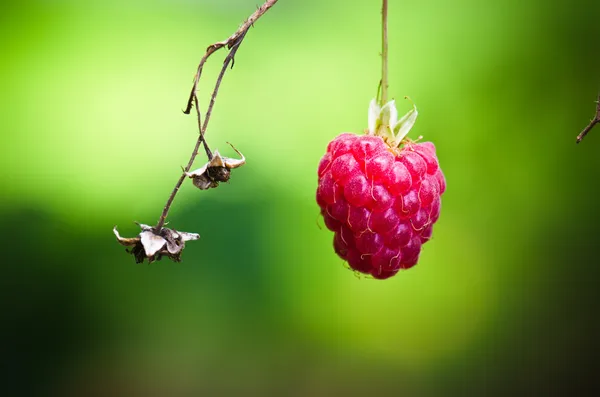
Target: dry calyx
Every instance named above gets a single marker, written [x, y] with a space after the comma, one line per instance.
[153, 245]
[218, 169]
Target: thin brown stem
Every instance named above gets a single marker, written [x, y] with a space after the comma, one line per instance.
[384, 52]
[208, 152]
[230, 58]
[592, 123]
[229, 43]
[232, 43]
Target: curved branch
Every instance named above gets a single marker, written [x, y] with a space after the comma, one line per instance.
[229, 43]
[233, 44]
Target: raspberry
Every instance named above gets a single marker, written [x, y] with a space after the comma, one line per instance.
[381, 201]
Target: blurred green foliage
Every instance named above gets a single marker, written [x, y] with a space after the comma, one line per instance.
[503, 301]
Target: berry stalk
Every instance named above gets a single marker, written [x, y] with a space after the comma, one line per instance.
[384, 53]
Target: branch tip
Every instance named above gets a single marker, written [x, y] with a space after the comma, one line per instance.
[592, 123]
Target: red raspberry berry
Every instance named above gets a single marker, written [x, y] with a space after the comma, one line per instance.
[380, 201]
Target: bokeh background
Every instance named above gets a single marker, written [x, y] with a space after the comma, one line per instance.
[504, 301]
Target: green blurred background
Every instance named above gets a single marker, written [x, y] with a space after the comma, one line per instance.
[504, 300]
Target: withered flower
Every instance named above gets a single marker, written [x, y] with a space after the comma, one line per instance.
[218, 169]
[152, 245]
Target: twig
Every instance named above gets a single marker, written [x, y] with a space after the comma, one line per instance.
[229, 43]
[208, 152]
[232, 43]
[592, 123]
[384, 52]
